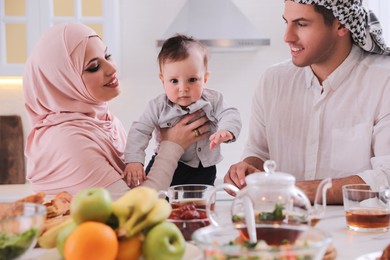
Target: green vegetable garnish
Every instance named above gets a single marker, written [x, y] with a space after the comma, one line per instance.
[236, 218]
[285, 242]
[277, 214]
[249, 244]
[13, 246]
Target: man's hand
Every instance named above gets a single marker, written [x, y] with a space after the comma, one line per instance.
[236, 174]
[334, 194]
[134, 174]
[220, 137]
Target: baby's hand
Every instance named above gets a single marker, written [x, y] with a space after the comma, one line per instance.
[220, 137]
[134, 174]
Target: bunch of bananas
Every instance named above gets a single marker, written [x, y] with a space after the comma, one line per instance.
[49, 238]
[137, 210]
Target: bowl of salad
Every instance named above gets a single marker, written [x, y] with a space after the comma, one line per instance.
[274, 241]
[20, 226]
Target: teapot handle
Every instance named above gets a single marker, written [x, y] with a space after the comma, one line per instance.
[162, 192]
[210, 200]
[384, 195]
[320, 198]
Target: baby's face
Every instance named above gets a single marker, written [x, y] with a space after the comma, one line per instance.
[184, 80]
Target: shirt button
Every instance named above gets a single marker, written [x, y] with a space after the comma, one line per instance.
[168, 124]
[199, 149]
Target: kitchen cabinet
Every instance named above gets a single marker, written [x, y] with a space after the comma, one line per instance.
[23, 21]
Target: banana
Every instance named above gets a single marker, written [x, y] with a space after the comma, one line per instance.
[49, 238]
[132, 206]
[160, 212]
[121, 211]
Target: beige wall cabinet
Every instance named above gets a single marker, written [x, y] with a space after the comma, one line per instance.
[23, 21]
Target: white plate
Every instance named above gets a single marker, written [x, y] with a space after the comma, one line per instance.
[192, 252]
[370, 256]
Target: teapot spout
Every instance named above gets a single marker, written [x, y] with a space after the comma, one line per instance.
[320, 199]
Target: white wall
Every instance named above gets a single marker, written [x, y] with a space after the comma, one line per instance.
[234, 74]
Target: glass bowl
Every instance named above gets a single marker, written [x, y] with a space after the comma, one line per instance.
[20, 226]
[286, 242]
[188, 218]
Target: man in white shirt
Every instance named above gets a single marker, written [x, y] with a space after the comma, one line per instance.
[326, 112]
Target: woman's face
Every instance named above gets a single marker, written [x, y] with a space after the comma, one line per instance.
[99, 72]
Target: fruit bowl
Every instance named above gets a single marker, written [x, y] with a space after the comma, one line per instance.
[20, 225]
[230, 242]
[188, 218]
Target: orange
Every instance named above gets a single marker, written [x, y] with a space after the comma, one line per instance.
[130, 248]
[91, 240]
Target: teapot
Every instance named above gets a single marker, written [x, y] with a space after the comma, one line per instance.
[272, 197]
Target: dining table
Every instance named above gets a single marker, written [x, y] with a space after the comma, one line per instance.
[350, 245]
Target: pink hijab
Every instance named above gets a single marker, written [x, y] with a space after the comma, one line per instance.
[75, 141]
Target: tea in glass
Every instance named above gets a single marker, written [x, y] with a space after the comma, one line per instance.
[189, 194]
[367, 209]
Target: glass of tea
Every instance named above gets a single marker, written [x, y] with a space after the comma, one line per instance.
[367, 209]
[188, 218]
[189, 194]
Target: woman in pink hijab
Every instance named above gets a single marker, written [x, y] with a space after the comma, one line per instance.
[76, 142]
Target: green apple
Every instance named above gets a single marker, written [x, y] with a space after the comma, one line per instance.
[91, 204]
[164, 241]
[63, 235]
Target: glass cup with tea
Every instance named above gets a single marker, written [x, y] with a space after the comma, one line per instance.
[367, 209]
[188, 203]
[193, 194]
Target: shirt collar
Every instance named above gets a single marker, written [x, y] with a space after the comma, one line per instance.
[343, 71]
[200, 104]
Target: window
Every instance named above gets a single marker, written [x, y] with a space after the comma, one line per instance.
[381, 8]
[23, 21]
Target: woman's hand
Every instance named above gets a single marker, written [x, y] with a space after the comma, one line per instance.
[185, 133]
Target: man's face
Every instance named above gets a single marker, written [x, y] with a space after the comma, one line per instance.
[311, 41]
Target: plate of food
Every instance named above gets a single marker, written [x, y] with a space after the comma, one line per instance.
[22, 221]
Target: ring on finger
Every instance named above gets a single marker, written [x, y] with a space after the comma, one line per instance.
[196, 131]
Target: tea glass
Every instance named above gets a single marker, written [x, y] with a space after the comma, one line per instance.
[189, 201]
[366, 209]
[196, 194]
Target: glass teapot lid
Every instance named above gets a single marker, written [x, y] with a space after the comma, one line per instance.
[270, 178]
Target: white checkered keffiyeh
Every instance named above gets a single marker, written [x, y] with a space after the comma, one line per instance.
[363, 24]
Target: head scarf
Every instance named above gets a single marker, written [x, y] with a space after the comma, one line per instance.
[57, 101]
[52, 78]
[363, 24]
